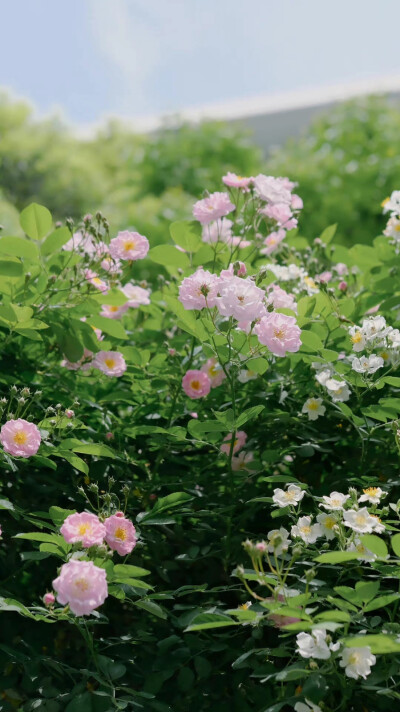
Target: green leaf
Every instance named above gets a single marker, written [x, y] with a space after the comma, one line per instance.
[19, 247]
[380, 644]
[36, 221]
[10, 268]
[258, 365]
[73, 460]
[6, 504]
[249, 414]
[395, 542]
[311, 343]
[381, 602]
[55, 241]
[337, 557]
[58, 514]
[128, 571]
[375, 544]
[168, 255]
[205, 621]
[108, 326]
[94, 449]
[184, 234]
[151, 607]
[42, 536]
[328, 234]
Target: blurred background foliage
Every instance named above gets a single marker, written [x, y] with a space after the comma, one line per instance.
[345, 164]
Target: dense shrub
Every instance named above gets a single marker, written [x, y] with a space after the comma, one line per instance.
[251, 400]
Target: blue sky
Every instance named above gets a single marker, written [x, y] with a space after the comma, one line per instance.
[138, 57]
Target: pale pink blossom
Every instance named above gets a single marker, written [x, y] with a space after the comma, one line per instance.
[49, 599]
[81, 242]
[20, 438]
[82, 585]
[199, 290]
[112, 311]
[241, 461]
[83, 527]
[120, 534]
[137, 296]
[279, 332]
[341, 269]
[194, 415]
[214, 371]
[217, 231]
[112, 363]
[216, 206]
[129, 246]
[234, 181]
[280, 299]
[238, 242]
[110, 436]
[272, 241]
[324, 277]
[282, 214]
[238, 442]
[95, 281]
[241, 299]
[69, 413]
[342, 286]
[296, 202]
[196, 384]
[273, 190]
[111, 266]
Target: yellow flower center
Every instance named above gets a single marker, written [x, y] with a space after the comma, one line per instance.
[114, 309]
[279, 333]
[97, 280]
[20, 437]
[372, 491]
[290, 495]
[354, 658]
[82, 584]
[384, 202]
[310, 282]
[360, 519]
[110, 362]
[120, 533]
[305, 530]
[195, 385]
[329, 523]
[357, 337]
[129, 245]
[313, 405]
[335, 502]
[83, 528]
[213, 370]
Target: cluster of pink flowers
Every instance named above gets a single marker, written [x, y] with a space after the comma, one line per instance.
[87, 529]
[241, 299]
[242, 460]
[281, 207]
[20, 438]
[112, 363]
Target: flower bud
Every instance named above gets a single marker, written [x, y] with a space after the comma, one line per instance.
[109, 436]
[49, 599]
[69, 413]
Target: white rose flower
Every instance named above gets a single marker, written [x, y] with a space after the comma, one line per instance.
[278, 541]
[364, 553]
[306, 706]
[394, 337]
[357, 662]
[367, 364]
[374, 326]
[339, 390]
[314, 408]
[392, 204]
[327, 523]
[335, 501]
[323, 375]
[357, 338]
[359, 520]
[378, 526]
[307, 531]
[314, 645]
[372, 495]
[293, 495]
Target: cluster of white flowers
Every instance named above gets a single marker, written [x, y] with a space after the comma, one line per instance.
[336, 388]
[374, 335]
[317, 645]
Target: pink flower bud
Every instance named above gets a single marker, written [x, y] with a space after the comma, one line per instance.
[172, 352]
[119, 514]
[153, 497]
[342, 286]
[48, 599]
[193, 415]
[110, 436]
[69, 413]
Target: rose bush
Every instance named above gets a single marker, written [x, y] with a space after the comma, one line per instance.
[246, 398]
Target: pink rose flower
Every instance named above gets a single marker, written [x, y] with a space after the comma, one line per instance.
[85, 528]
[282, 214]
[273, 190]
[137, 296]
[216, 206]
[20, 438]
[279, 332]
[82, 585]
[111, 311]
[95, 280]
[324, 277]
[49, 599]
[239, 441]
[341, 269]
[272, 241]
[280, 299]
[112, 363]
[111, 266]
[199, 290]
[83, 364]
[230, 272]
[196, 384]
[129, 246]
[214, 371]
[81, 242]
[234, 181]
[296, 202]
[120, 534]
[241, 299]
